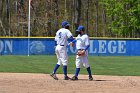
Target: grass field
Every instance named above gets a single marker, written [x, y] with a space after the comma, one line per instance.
[120, 65]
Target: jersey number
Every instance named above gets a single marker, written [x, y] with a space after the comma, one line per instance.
[60, 34]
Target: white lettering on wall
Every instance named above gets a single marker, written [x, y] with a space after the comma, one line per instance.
[6, 46]
[102, 44]
[91, 48]
[112, 48]
[1, 46]
[122, 46]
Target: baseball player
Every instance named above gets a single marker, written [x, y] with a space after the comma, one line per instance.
[61, 49]
[82, 45]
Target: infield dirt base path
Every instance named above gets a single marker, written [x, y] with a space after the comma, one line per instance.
[43, 83]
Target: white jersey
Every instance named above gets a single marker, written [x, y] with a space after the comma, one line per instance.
[61, 36]
[82, 41]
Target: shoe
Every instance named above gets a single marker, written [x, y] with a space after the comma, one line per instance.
[66, 78]
[90, 78]
[54, 76]
[74, 78]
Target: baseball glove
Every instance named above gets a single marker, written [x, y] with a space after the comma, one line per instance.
[80, 52]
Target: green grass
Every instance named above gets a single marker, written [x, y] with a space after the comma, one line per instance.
[126, 66]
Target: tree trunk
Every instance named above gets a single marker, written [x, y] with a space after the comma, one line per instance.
[3, 29]
[96, 27]
[77, 14]
[56, 16]
[87, 16]
[1, 18]
[104, 22]
[8, 15]
[1, 8]
[48, 14]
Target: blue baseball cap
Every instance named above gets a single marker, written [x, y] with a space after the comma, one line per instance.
[65, 23]
[80, 28]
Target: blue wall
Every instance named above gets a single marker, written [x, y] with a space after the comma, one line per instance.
[98, 47]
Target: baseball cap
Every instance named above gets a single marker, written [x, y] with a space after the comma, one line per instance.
[65, 23]
[80, 28]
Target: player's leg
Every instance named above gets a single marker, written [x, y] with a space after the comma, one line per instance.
[58, 58]
[78, 66]
[89, 73]
[55, 68]
[65, 72]
[53, 74]
[87, 66]
[64, 60]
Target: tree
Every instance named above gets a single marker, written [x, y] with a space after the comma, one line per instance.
[125, 18]
[96, 4]
[114, 18]
[77, 16]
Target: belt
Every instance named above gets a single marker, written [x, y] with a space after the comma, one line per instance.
[80, 49]
[61, 45]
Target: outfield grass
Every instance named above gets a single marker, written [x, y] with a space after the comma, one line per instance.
[126, 66]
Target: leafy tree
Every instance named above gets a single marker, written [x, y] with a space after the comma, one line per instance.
[124, 15]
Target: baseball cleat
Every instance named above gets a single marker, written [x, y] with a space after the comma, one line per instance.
[66, 78]
[90, 78]
[74, 78]
[54, 76]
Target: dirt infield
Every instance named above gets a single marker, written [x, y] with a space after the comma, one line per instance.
[43, 83]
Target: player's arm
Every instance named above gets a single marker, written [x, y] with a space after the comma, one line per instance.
[72, 42]
[87, 47]
[87, 43]
[82, 52]
[71, 38]
[69, 35]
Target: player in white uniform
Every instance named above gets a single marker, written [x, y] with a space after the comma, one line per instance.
[61, 38]
[82, 44]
